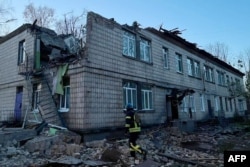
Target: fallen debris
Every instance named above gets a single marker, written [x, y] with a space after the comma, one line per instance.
[166, 146]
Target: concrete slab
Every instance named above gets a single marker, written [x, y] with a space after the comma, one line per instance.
[19, 134]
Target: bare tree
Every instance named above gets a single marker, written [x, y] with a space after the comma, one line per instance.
[219, 50]
[72, 24]
[5, 16]
[44, 15]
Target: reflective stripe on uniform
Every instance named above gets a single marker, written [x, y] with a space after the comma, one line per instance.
[136, 148]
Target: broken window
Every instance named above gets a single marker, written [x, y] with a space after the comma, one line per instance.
[147, 99]
[65, 98]
[21, 53]
[128, 44]
[165, 55]
[179, 67]
[36, 97]
[145, 50]
[136, 46]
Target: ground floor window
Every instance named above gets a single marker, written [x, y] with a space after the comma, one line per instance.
[65, 98]
[138, 94]
[146, 98]
[36, 96]
[241, 105]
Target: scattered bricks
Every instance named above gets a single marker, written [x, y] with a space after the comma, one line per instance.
[72, 148]
[69, 136]
[96, 144]
[40, 144]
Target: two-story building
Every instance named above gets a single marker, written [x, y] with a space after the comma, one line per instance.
[83, 88]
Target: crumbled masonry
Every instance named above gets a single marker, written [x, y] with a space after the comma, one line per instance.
[167, 147]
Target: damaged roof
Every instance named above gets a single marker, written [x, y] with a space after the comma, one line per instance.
[191, 47]
[47, 36]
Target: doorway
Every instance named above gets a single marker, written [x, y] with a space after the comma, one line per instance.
[18, 104]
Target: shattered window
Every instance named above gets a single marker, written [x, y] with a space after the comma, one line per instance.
[145, 50]
[21, 52]
[65, 99]
[36, 96]
[128, 44]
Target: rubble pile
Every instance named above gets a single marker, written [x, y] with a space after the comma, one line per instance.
[166, 146]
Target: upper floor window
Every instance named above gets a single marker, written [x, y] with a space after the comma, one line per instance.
[129, 44]
[145, 50]
[21, 52]
[227, 80]
[193, 68]
[136, 46]
[209, 74]
[221, 78]
[165, 55]
[179, 66]
[65, 98]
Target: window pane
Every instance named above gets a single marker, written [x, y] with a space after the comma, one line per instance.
[128, 44]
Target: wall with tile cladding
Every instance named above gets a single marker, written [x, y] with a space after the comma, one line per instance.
[9, 78]
[98, 103]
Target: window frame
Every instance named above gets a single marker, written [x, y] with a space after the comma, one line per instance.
[147, 99]
[241, 105]
[216, 104]
[209, 73]
[65, 107]
[165, 55]
[140, 45]
[179, 63]
[145, 50]
[129, 39]
[132, 88]
[36, 97]
[21, 52]
[202, 102]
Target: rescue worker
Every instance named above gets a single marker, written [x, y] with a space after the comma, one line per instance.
[133, 127]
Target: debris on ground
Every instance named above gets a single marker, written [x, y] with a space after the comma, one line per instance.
[166, 146]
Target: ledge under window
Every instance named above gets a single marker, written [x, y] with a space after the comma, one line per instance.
[63, 110]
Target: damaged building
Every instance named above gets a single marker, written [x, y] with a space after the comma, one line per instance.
[49, 77]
